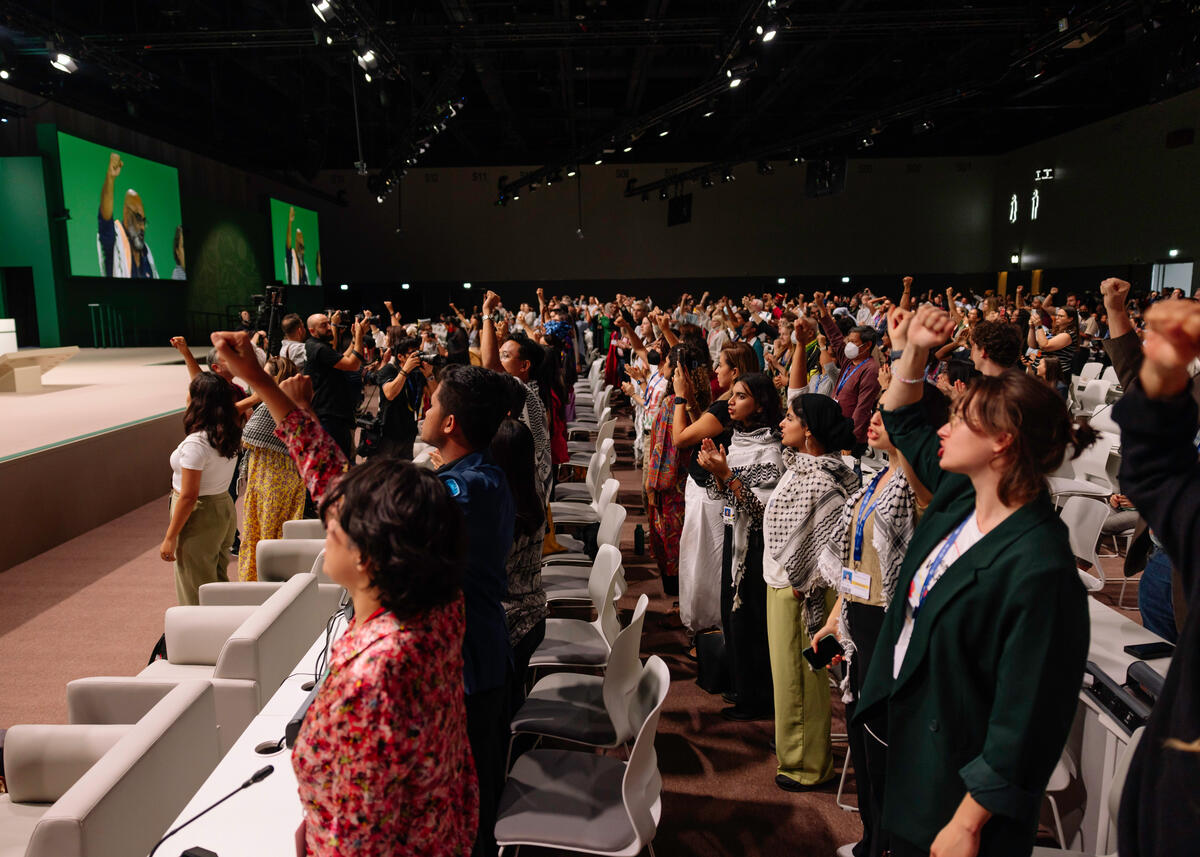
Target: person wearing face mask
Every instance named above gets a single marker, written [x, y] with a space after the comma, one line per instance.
[333, 395]
[803, 513]
[122, 243]
[857, 386]
[979, 661]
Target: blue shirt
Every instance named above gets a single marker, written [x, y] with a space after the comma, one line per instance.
[481, 491]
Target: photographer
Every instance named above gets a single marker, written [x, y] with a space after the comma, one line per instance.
[333, 394]
[402, 380]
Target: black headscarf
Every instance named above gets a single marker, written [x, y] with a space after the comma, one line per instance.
[824, 419]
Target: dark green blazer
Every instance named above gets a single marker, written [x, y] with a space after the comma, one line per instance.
[990, 682]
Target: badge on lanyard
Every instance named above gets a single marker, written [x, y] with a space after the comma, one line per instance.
[727, 515]
[856, 584]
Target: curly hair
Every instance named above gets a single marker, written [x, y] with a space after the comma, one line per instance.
[407, 527]
[1000, 342]
[211, 409]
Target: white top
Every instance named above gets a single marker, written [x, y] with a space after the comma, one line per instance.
[293, 351]
[196, 453]
[969, 536]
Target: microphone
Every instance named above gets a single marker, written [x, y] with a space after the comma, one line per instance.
[257, 777]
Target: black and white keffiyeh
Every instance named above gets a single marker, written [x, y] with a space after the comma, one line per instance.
[802, 516]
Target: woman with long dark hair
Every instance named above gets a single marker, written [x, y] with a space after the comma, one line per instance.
[977, 669]
[525, 605]
[203, 518]
[743, 477]
[1063, 342]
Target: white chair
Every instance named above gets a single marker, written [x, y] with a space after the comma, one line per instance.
[304, 528]
[1092, 464]
[587, 709]
[244, 652]
[580, 801]
[1084, 517]
[609, 534]
[1093, 396]
[1110, 374]
[569, 582]
[569, 514]
[591, 423]
[1115, 789]
[1091, 371]
[107, 790]
[587, 490]
[579, 450]
[283, 559]
[254, 593]
[578, 642]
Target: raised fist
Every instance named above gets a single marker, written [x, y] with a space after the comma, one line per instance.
[114, 165]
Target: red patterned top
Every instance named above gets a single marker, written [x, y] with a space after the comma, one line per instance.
[383, 762]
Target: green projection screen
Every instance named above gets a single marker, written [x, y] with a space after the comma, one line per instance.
[296, 242]
[125, 219]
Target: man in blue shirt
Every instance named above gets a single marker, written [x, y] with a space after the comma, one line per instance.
[122, 243]
[467, 407]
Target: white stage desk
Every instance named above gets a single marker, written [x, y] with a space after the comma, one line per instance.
[264, 820]
[1097, 741]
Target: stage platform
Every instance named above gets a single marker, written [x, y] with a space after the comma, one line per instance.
[92, 445]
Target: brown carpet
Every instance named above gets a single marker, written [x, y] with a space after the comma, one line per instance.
[94, 606]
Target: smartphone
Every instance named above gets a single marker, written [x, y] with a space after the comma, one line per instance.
[1150, 651]
[826, 651]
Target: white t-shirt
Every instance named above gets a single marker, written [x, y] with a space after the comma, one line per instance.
[196, 453]
[293, 351]
[969, 536]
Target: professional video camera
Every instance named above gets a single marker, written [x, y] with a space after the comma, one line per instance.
[268, 313]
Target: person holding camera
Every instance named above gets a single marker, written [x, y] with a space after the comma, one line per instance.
[333, 394]
[402, 380]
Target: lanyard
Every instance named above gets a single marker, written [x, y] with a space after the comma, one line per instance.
[936, 566]
[853, 372]
[861, 522]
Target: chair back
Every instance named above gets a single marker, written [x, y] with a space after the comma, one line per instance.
[1093, 395]
[606, 429]
[1090, 371]
[602, 582]
[641, 787]
[610, 526]
[608, 493]
[1092, 463]
[1084, 517]
[1110, 374]
[283, 559]
[623, 670]
[592, 478]
[1121, 772]
[304, 528]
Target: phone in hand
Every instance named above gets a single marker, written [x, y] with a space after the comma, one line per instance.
[828, 649]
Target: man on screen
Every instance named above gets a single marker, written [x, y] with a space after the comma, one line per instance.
[122, 243]
[293, 259]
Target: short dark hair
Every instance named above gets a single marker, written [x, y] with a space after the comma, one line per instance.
[478, 399]
[211, 409]
[1000, 342]
[866, 333]
[529, 350]
[400, 342]
[291, 323]
[408, 529]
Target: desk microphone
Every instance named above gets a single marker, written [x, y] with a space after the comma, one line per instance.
[257, 777]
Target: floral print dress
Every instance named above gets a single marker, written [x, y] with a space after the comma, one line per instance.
[382, 761]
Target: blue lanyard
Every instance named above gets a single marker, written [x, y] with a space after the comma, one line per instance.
[853, 372]
[861, 522]
[937, 564]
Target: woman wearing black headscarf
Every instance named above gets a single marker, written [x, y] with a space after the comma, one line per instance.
[803, 514]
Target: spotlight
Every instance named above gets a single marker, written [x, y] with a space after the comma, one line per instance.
[734, 82]
[64, 63]
[767, 31]
[664, 132]
[663, 194]
[571, 172]
[628, 149]
[324, 10]
[710, 108]
[367, 76]
[1172, 253]
[706, 181]
[727, 175]
[329, 40]
[797, 160]
[405, 286]
[922, 126]
[367, 59]
[3, 120]
[379, 199]
[599, 161]
[516, 195]
[1015, 259]
[738, 71]
[845, 279]
[467, 286]
[782, 281]
[344, 287]
[765, 168]
[771, 4]
[866, 143]
[4, 74]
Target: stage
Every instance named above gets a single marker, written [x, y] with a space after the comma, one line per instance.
[93, 445]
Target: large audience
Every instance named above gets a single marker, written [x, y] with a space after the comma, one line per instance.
[840, 484]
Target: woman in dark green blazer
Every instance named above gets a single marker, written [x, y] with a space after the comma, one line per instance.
[978, 667]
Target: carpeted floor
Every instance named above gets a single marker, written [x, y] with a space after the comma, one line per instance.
[94, 606]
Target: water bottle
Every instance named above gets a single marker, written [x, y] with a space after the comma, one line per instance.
[639, 540]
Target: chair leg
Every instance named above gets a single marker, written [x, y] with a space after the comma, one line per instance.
[1058, 828]
[842, 785]
[650, 848]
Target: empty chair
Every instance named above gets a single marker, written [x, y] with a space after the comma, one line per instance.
[588, 709]
[580, 801]
[578, 642]
[579, 450]
[1084, 517]
[304, 528]
[1110, 374]
[1090, 371]
[1093, 396]
[570, 582]
[569, 514]
[107, 790]
[598, 472]
[254, 593]
[609, 534]
[246, 653]
[282, 559]
[1091, 465]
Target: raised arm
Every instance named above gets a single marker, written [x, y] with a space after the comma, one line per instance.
[798, 371]
[180, 345]
[906, 295]
[635, 341]
[106, 190]
[489, 345]
[833, 333]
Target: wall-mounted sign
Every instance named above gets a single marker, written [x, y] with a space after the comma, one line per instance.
[1033, 204]
[1043, 175]
[1013, 207]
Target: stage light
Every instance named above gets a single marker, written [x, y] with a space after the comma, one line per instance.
[845, 279]
[467, 286]
[367, 76]
[329, 40]
[1015, 259]
[771, 4]
[1172, 253]
[710, 108]
[782, 281]
[345, 287]
[599, 161]
[663, 194]
[405, 286]
[3, 120]
[64, 63]
[4, 74]
[735, 82]
[324, 10]
[628, 149]
[765, 168]
[570, 172]
[706, 181]
[727, 175]
[516, 195]
[367, 59]
[866, 142]
[664, 132]
[797, 160]
[379, 199]
[767, 31]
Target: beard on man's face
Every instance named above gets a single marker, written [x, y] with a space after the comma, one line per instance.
[327, 336]
[137, 239]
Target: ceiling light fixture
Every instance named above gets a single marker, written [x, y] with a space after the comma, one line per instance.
[663, 194]
[599, 161]
[4, 74]
[845, 279]
[767, 31]
[727, 175]
[323, 10]
[1015, 259]
[64, 63]
[765, 168]
[405, 286]
[1172, 253]
[571, 172]
[467, 286]
[782, 281]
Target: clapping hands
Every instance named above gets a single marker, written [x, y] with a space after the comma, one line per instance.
[714, 459]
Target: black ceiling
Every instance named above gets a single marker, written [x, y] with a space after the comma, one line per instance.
[254, 82]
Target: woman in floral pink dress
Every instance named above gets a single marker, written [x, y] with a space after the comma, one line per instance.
[382, 760]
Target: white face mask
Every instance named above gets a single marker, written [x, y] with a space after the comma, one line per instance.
[851, 351]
